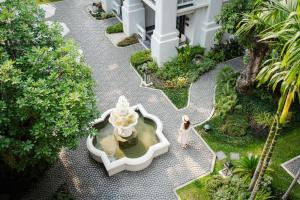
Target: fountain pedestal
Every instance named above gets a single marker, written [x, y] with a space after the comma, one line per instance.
[125, 142]
[124, 119]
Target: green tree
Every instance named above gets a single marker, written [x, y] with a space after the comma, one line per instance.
[46, 89]
[280, 71]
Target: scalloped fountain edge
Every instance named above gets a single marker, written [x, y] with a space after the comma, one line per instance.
[130, 164]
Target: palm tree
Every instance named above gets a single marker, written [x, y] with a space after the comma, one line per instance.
[286, 194]
[246, 167]
[249, 28]
[282, 70]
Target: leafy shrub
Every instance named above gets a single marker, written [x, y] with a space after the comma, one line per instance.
[197, 50]
[179, 82]
[152, 66]
[46, 94]
[235, 125]
[226, 51]
[184, 57]
[213, 184]
[246, 167]
[227, 101]
[101, 14]
[227, 96]
[128, 41]
[264, 195]
[227, 75]
[233, 189]
[171, 70]
[116, 28]
[260, 123]
[217, 56]
[196, 70]
[140, 58]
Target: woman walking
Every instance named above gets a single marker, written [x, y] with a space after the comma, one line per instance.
[184, 132]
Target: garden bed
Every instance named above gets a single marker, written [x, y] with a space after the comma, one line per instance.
[98, 13]
[175, 77]
[250, 142]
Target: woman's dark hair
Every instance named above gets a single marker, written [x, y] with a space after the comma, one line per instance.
[187, 124]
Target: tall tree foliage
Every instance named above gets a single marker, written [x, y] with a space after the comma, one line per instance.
[282, 70]
[46, 90]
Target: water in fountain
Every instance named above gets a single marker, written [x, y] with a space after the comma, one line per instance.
[106, 141]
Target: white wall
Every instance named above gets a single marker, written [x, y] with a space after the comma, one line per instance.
[149, 16]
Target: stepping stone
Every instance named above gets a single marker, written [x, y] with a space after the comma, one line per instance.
[234, 156]
[221, 155]
[49, 10]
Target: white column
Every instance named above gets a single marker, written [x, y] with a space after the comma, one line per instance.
[133, 13]
[107, 5]
[165, 36]
[210, 26]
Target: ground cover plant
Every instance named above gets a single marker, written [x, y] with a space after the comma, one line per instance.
[176, 76]
[98, 12]
[116, 28]
[261, 103]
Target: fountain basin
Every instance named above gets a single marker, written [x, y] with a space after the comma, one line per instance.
[152, 143]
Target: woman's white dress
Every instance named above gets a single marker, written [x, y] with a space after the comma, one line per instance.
[183, 136]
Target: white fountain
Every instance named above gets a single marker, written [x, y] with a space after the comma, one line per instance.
[123, 118]
[127, 138]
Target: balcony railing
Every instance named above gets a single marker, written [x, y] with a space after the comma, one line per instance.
[184, 3]
[141, 32]
[116, 7]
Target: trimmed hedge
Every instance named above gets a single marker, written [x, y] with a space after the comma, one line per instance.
[116, 28]
[140, 58]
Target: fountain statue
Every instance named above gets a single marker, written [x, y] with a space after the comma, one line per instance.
[124, 119]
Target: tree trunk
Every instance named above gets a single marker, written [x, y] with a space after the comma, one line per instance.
[263, 155]
[247, 78]
[286, 194]
[266, 162]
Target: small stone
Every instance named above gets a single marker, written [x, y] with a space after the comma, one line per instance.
[221, 155]
[234, 156]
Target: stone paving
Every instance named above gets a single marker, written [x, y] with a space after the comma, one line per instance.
[87, 179]
[292, 166]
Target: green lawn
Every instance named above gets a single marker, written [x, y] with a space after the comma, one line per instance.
[178, 96]
[286, 149]
[288, 145]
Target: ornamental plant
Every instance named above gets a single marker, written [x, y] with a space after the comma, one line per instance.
[46, 90]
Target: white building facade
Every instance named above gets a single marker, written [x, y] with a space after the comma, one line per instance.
[163, 25]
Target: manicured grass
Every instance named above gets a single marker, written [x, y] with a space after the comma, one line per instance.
[194, 191]
[116, 28]
[288, 147]
[46, 1]
[178, 96]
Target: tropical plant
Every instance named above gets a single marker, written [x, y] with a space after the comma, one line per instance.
[250, 27]
[46, 90]
[229, 18]
[280, 71]
[246, 167]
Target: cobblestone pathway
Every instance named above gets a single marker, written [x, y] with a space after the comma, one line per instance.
[87, 179]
